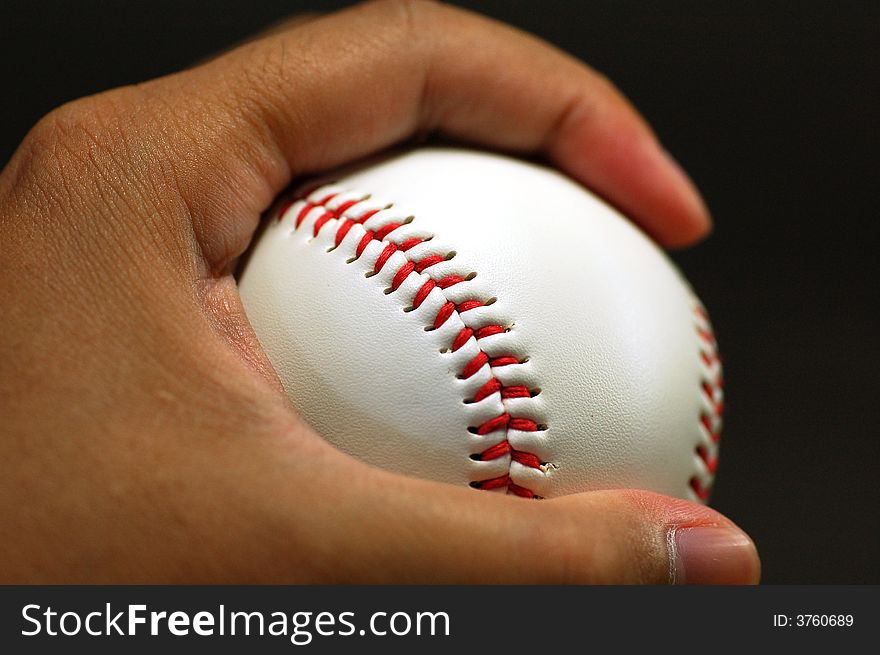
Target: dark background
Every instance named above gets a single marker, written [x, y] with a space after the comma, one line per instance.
[773, 109]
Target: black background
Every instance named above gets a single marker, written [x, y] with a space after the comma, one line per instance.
[773, 109]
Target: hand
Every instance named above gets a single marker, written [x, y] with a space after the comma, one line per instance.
[145, 437]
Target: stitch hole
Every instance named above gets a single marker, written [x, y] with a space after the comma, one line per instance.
[369, 273]
[443, 351]
[450, 255]
[474, 430]
[407, 310]
[474, 485]
[388, 291]
[351, 260]
[534, 392]
[470, 276]
[491, 301]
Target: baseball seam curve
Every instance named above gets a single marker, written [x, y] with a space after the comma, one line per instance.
[343, 208]
[347, 208]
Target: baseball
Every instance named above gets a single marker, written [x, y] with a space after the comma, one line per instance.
[479, 320]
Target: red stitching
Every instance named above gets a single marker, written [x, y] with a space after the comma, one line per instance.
[448, 281]
[703, 492]
[474, 365]
[501, 422]
[504, 448]
[409, 243]
[428, 261]
[468, 305]
[504, 481]
[284, 206]
[706, 420]
[343, 230]
[516, 392]
[423, 292]
[389, 250]
[326, 216]
[492, 386]
[712, 390]
[383, 232]
[445, 312]
[364, 242]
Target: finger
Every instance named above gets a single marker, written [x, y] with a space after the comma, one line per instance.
[345, 522]
[344, 85]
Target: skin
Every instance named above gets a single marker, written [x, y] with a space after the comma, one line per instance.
[146, 438]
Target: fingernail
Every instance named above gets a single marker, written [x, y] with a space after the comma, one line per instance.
[713, 555]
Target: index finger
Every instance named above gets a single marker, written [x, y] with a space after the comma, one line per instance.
[350, 83]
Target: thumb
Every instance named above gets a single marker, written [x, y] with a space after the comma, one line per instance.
[648, 537]
[338, 520]
[607, 537]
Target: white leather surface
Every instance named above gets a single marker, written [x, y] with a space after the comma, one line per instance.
[605, 322]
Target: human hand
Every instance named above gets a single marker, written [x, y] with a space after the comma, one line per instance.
[145, 436]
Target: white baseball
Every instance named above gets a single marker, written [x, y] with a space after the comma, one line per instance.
[479, 320]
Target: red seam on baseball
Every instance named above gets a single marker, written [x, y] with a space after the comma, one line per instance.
[300, 217]
[367, 215]
[282, 209]
[496, 451]
[347, 224]
[462, 338]
[385, 230]
[344, 207]
[387, 251]
[526, 459]
[445, 312]
[427, 262]
[711, 388]
[467, 305]
[474, 365]
[701, 491]
[449, 280]
[401, 275]
[493, 385]
[364, 242]
[422, 293]
[488, 331]
[322, 220]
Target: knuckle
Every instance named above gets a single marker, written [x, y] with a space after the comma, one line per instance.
[80, 139]
[71, 126]
[80, 160]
